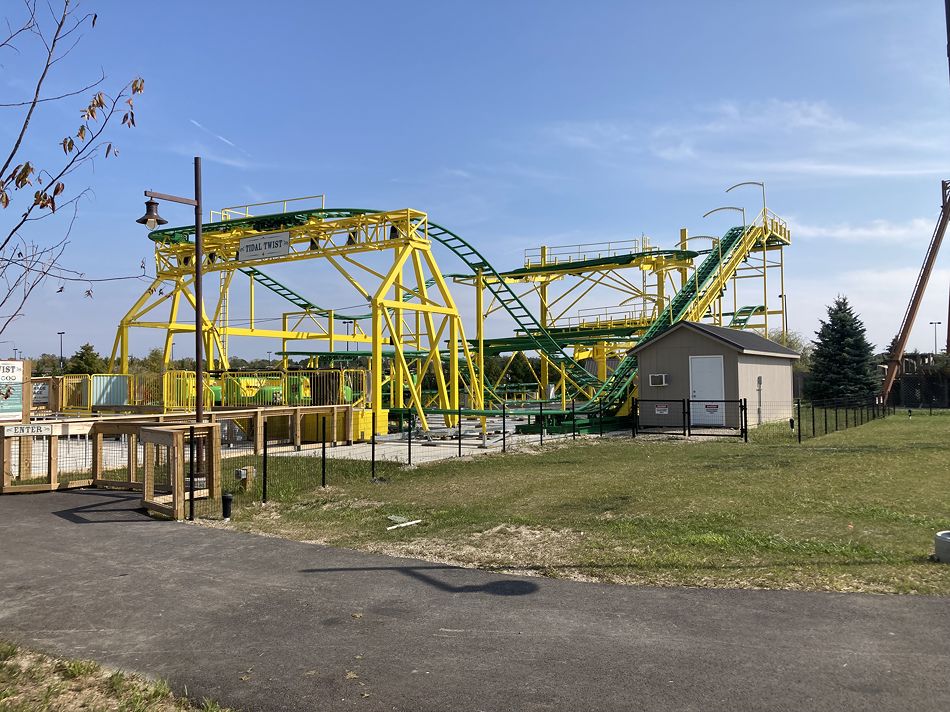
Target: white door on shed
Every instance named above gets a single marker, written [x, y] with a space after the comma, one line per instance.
[707, 390]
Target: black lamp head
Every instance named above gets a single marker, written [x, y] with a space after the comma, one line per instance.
[151, 219]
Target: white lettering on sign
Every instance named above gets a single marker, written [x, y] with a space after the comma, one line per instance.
[255, 248]
[662, 408]
[712, 407]
[14, 430]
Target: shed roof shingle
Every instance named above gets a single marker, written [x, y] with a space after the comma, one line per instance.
[744, 341]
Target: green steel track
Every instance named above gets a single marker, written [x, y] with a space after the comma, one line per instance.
[596, 263]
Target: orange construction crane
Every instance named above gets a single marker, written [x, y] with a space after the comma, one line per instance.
[894, 359]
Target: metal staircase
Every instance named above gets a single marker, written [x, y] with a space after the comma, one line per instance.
[281, 290]
[525, 320]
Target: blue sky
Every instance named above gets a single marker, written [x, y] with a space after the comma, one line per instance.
[522, 123]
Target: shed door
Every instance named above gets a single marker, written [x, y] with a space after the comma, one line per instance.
[707, 390]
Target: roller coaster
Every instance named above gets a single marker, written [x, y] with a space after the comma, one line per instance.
[411, 335]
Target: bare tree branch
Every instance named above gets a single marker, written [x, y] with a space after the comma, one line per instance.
[45, 99]
[27, 26]
[26, 263]
[51, 48]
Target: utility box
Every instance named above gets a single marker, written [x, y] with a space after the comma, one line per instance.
[245, 477]
[713, 367]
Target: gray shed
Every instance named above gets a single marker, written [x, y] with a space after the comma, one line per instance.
[713, 367]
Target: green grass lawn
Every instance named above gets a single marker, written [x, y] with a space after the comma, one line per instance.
[852, 511]
[33, 682]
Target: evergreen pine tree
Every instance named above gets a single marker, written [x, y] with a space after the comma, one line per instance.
[86, 360]
[843, 360]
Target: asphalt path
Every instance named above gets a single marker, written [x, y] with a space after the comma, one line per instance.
[260, 623]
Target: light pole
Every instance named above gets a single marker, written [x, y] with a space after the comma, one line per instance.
[935, 324]
[62, 363]
[151, 220]
[759, 183]
[728, 207]
[348, 323]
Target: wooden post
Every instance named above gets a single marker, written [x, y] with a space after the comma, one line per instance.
[133, 457]
[52, 460]
[213, 448]
[176, 463]
[7, 465]
[148, 485]
[295, 419]
[26, 443]
[258, 420]
[96, 455]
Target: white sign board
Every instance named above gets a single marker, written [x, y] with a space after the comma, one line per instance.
[11, 430]
[662, 409]
[41, 393]
[255, 248]
[11, 390]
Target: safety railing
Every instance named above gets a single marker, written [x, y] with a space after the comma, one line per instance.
[304, 387]
[175, 390]
[565, 254]
[607, 317]
[236, 212]
[77, 393]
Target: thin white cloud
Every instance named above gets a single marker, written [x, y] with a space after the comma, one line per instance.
[775, 136]
[914, 230]
[829, 169]
[592, 135]
[219, 137]
[211, 155]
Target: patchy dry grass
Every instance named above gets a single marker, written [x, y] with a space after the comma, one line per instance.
[32, 682]
[852, 511]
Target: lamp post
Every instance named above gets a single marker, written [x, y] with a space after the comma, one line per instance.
[727, 207]
[759, 183]
[151, 220]
[935, 324]
[62, 363]
[348, 323]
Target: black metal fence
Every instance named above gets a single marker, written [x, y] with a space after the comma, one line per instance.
[817, 418]
[687, 417]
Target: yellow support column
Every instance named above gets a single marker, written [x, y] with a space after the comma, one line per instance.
[169, 334]
[453, 364]
[543, 293]
[765, 281]
[781, 273]
[600, 354]
[376, 362]
[684, 242]
[398, 383]
[563, 388]
[480, 337]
